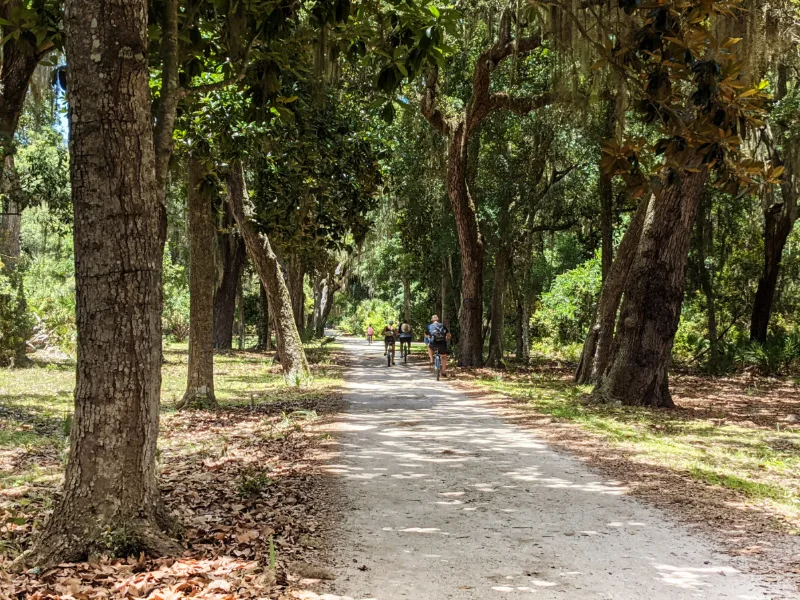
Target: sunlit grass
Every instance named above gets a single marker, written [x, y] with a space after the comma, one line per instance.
[37, 403]
[760, 463]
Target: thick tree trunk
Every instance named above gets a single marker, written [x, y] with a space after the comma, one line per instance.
[471, 245]
[240, 325]
[295, 274]
[110, 499]
[233, 258]
[597, 347]
[290, 346]
[495, 357]
[201, 230]
[654, 289]
[703, 240]
[326, 287]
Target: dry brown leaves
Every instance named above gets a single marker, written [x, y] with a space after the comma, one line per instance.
[245, 494]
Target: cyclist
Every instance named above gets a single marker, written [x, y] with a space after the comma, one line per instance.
[439, 336]
[370, 333]
[406, 333]
[389, 333]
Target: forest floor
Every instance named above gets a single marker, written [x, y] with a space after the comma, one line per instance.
[239, 480]
[445, 492]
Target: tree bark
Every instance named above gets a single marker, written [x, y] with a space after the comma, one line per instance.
[295, 274]
[471, 245]
[495, 357]
[637, 375]
[605, 189]
[264, 334]
[232, 258]
[597, 347]
[290, 346]
[110, 500]
[201, 231]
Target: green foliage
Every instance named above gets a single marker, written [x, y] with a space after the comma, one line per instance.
[176, 300]
[368, 312]
[253, 486]
[15, 321]
[567, 308]
[50, 289]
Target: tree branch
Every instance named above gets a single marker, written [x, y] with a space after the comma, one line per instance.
[430, 110]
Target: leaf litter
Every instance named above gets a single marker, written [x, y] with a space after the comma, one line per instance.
[244, 490]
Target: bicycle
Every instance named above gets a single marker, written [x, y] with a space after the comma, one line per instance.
[437, 363]
[390, 355]
[405, 349]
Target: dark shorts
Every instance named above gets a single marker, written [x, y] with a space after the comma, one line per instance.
[405, 339]
[388, 340]
[441, 346]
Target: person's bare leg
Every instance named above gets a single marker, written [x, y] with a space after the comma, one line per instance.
[444, 363]
[430, 354]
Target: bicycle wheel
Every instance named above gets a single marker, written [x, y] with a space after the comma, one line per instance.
[405, 354]
[437, 365]
[389, 357]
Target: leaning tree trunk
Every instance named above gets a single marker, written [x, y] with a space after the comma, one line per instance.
[110, 500]
[597, 347]
[470, 241]
[202, 279]
[778, 222]
[232, 260]
[290, 346]
[495, 357]
[651, 309]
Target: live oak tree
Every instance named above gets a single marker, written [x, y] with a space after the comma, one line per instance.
[459, 129]
[110, 493]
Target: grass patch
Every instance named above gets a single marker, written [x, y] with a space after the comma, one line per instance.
[761, 463]
[36, 404]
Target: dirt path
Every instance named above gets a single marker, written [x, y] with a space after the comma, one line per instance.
[446, 500]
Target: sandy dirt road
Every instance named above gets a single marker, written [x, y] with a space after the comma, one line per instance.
[444, 499]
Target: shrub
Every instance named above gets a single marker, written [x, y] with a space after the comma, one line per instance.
[15, 321]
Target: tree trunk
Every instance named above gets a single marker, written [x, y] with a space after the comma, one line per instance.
[201, 230]
[110, 500]
[495, 357]
[597, 347]
[444, 311]
[651, 309]
[233, 257]
[325, 289]
[295, 274]
[406, 298]
[264, 334]
[290, 346]
[240, 325]
[470, 241]
[703, 240]
[779, 220]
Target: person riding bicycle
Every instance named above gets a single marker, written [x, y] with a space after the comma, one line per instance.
[389, 333]
[439, 336]
[406, 333]
[370, 333]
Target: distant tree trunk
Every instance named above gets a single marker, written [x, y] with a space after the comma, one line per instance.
[295, 274]
[110, 492]
[703, 241]
[264, 341]
[406, 298]
[651, 307]
[444, 311]
[233, 258]
[290, 346]
[495, 357]
[326, 287]
[201, 230]
[779, 220]
[240, 326]
[597, 347]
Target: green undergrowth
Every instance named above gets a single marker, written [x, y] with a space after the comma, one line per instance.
[761, 463]
[36, 404]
